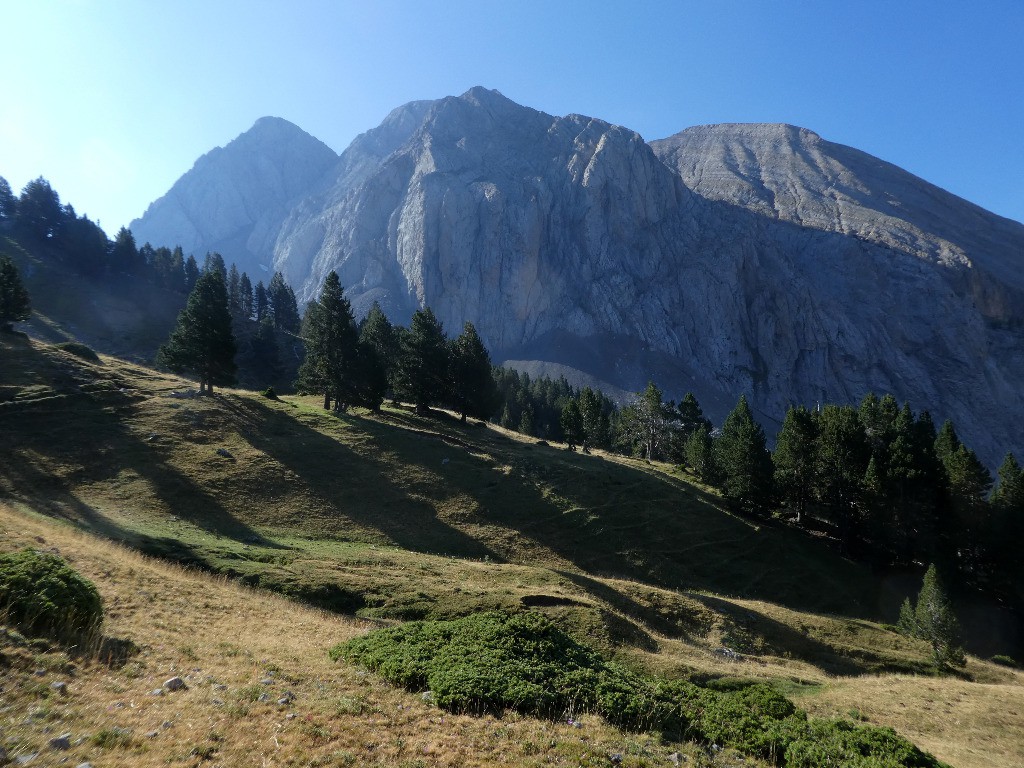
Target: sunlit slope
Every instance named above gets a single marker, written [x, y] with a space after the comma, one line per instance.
[111, 447]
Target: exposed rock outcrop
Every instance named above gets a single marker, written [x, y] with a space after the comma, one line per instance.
[234, 198]
[756, 258]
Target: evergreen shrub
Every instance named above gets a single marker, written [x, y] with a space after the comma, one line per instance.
[42, 595]
[489, 662]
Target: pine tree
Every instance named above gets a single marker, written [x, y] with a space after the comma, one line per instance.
[594, 421]
[1007, 531]
[472, 384]
[245, 297]
[644, 423]
[743, 458]
[8, 205]
[14, 300]
[234, 292]
[282, 305]
[841, 460]
[700, 453]
[214, 262]
[202, 342]
[40, 215]
[191, 269]
[935, 622]
[421, 370]
[795, 457]
[261, 304]
[124, 255]
[572, 424]
[330, 367]
[379, 335]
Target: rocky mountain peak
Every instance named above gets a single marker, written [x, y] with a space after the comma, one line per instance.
[735, 258]
[234, 198]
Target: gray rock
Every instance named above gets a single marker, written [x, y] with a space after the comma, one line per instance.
[225, 453]
[60, 687]
[157, 692]
[26, 759]
[234, 199]
[84, 765]
[727, 259]
[174, 684]
[60, 743]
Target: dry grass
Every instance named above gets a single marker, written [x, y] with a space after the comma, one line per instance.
[967, 724]
[309, 500]
[224, 639]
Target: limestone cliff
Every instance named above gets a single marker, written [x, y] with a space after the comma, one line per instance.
[234, 198]
[759, 259]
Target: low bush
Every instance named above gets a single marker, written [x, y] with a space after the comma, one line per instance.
[490, 662]
[1004, 661]
[485, 662]
[842, 743]
[78, 349]
[42, 595]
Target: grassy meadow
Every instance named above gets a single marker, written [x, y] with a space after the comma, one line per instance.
[382, 518]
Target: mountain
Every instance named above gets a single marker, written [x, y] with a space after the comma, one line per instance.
[729, 259]
[234, 198]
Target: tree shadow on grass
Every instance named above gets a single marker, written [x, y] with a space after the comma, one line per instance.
[360, 486]
[83, 440]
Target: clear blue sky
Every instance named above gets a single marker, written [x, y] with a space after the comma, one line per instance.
[112, 100]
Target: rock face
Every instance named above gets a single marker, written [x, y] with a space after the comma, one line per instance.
[755, 259]
[234, 198]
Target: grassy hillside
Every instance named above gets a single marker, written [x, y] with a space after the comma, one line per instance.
[398, 516]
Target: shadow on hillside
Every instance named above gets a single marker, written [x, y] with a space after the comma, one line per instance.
[754, 633]
[360, 485]
[85, 440]
[529, 502]
[645, 615]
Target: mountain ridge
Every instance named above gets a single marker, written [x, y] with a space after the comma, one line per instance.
[741, 258]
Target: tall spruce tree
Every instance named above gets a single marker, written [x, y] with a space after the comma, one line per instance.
[1007, 530]
[935, 622]
[330, 367]
[572, 423]
[701, 456]
[644, 424]
[40, 215]
[14, 299]
[8, 205]
[245, 297]
[202, 342]
[421, 370]
[594, 421]
[965, 524]
[795, 457]
[744, 461]
[379, 335]
[191, 269]
[283, 305]
[472, 385]
[841, 461]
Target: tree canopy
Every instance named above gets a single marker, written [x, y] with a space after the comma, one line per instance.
[14, 299]
[202, 342]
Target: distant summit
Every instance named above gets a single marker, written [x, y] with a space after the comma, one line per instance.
[738, 258]
[234, 198]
